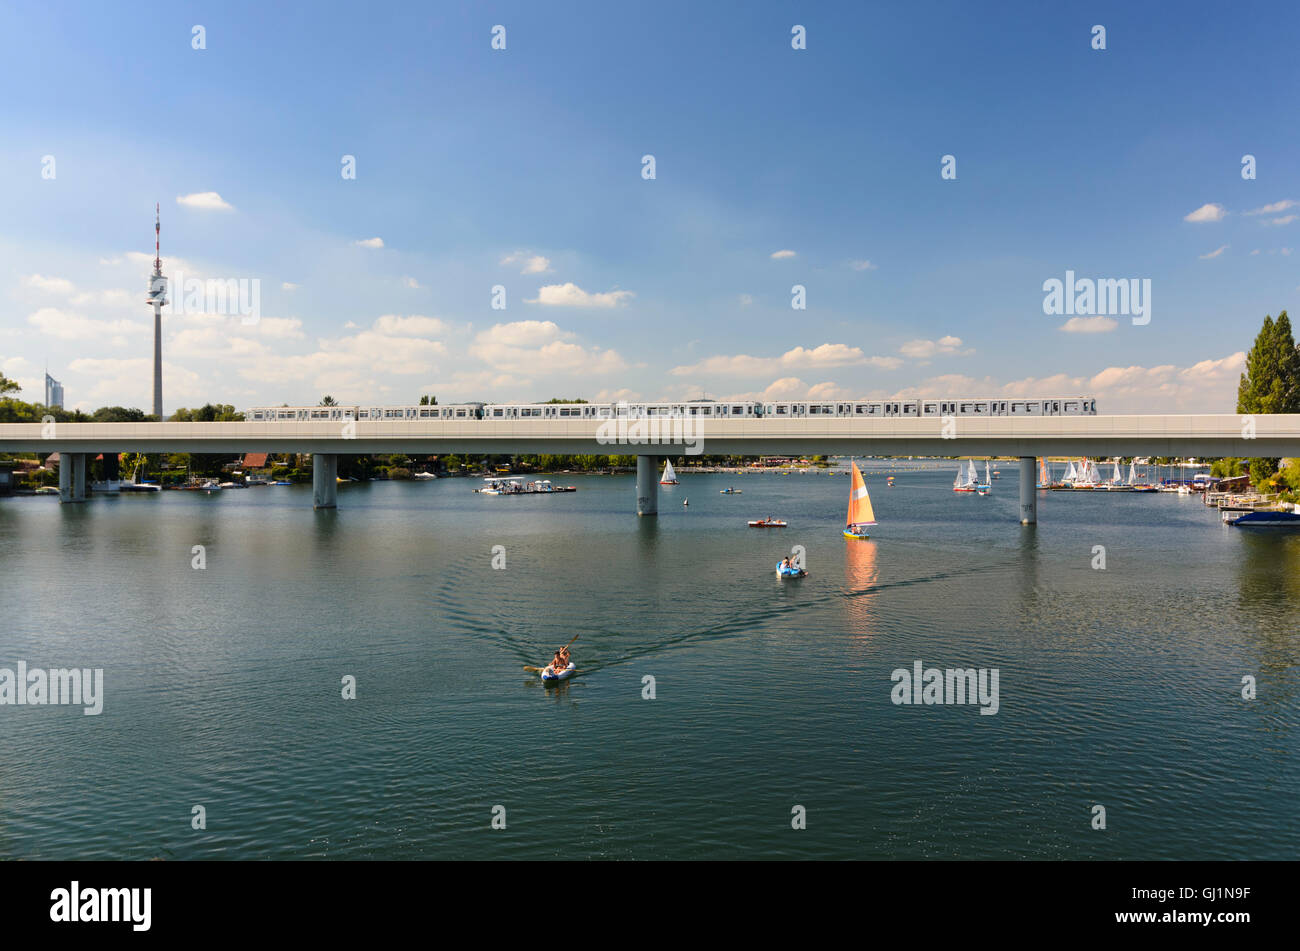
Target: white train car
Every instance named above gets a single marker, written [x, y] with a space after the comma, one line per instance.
[281, 414]
[972, 406]
[699, 409]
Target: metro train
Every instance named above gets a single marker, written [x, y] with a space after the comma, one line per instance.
[713, 409]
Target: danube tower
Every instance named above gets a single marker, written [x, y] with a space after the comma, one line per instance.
[157, 298]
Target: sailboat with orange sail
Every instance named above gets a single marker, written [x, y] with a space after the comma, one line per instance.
[860, 513]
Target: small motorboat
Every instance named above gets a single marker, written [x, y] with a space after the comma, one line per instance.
[789, 571]
[140, 487]
[730, 491]
[767, 523]
[1263, 519]
[550, 675]
[423, 476]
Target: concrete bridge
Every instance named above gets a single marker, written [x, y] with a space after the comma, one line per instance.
[653, 439]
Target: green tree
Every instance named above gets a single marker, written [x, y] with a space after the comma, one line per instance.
[428, 401]
[1271, 382]
[328, 400]
[118, 414]
[8, 386]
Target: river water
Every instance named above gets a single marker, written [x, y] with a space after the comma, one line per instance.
[1118, 687]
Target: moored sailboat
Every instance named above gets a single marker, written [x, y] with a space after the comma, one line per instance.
[670, 476]
[965, 482]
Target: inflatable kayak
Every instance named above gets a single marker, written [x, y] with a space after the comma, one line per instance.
[782, 571]
[767, 523]
[550, 675]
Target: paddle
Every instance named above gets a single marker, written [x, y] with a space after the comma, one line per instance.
[538, 670]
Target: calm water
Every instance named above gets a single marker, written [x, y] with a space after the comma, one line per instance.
[1119, 687]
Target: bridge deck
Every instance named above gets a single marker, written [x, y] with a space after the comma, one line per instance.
[1202, 435]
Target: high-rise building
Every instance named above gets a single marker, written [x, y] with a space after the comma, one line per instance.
[157, 298]
[53, 392]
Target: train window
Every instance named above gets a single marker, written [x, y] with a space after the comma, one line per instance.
[782, 410]
[931, 409]
[738, 410]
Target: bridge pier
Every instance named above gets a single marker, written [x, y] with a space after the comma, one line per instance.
[1028, 490]
[72, 477]
[647, 485]
[324, 480]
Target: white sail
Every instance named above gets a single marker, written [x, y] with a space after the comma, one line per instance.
[1132, 473]
[1071, 474]
[669, 475]
[961, 476]
[988, 478]
[1117, 478]
[972, 478]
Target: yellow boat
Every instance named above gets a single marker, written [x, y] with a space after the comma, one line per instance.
[860, 513]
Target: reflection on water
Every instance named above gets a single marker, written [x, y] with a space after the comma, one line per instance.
[1268, 588]
[861, 576]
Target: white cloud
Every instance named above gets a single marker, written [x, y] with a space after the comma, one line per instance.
[413, 326]
[369, 243]
[1274, 208]
[862, 265]
[926, 349]
[289, 286]
[826, 355]
[571, 295]
[1284, 220]
[746, 300]
[127, 382]
[50, 285]
[533, 346]
[277, 328]
[66, 325]
[533, 263]
[411, 283]
[1213, 254]
[1208, 212]
[1089, 325]
[205, 201]
[781, 255]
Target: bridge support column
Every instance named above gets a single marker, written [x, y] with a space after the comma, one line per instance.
[72, 477]
[324, 480]
[647, 485]
[1028, 490]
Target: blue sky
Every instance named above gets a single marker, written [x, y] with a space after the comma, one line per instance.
[522, 168]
